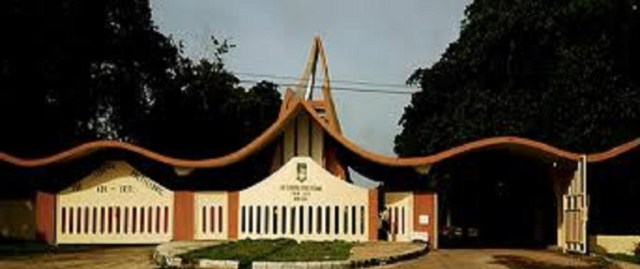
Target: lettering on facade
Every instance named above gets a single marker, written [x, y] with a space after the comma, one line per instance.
[301, 193]
[101, 189]
[120, 188]
[147, 182]
[126, 188]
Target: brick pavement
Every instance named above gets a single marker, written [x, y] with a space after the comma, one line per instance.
[377, 249]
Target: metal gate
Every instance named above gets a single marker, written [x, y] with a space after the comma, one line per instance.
[575, 210]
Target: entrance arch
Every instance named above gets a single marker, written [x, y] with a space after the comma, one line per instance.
[498, 198]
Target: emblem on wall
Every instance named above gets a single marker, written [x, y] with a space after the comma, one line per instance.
[301, 172]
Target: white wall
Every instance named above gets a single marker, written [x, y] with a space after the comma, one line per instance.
[211, 213]
[400, 204]
[118, 188]
[320, 189]
[613, 243]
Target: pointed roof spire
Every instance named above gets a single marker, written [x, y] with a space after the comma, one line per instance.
[303, 90]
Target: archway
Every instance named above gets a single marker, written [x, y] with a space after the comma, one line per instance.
[496, 198]
[614, 187]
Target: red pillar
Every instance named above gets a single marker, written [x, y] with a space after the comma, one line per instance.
[424, 203]
[373, 215]
[183, 215]
[233, 205]
[45, 213]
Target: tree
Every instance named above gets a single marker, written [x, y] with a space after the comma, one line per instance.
[562, 72]
[73, 71]
[207, 114]
[78, 71]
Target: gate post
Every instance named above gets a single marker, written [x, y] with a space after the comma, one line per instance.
[183, 216]
[424, 215]
[373, 215]
[232, 213]
[45, 217]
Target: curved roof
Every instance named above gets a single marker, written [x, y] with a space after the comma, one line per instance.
[296, 106]
[613, 152]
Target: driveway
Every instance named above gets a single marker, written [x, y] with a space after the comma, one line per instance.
[103, 258]
[139, 257]
[501, 258]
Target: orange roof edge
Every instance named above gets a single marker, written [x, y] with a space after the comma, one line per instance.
[288, 114]
[286, 99]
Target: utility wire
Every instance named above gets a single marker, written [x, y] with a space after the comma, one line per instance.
[340, 88]
[358, 82]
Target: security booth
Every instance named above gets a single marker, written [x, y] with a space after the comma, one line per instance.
[411, 216]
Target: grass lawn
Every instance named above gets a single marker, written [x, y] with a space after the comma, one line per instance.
[624, 257]
[273, 250]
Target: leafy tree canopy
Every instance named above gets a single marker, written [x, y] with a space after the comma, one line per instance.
[73, 71]
[561, 72]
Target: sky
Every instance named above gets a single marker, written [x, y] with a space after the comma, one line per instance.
[379, 42]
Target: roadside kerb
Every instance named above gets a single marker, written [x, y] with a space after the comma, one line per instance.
[168, 261]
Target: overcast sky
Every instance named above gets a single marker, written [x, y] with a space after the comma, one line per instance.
[374, 41]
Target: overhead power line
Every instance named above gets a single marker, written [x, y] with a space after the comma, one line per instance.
[341, 88]
[355, 82]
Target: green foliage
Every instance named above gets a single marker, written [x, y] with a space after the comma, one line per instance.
[562, 72]
[625, 257]
[73, 71]
[273, 250]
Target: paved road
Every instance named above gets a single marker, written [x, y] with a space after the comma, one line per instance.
[108, 258]
[139, 257]
[496, 258]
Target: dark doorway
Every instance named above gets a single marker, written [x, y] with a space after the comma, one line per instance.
[614, 188]
[496, 199]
